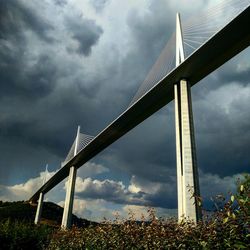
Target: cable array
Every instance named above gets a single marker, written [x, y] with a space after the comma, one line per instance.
[83, 141]
[164, 64]
[200, 28]
[70, 154]
[196, 31]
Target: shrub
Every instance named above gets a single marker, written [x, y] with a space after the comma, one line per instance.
[228, 228]
[23, 235]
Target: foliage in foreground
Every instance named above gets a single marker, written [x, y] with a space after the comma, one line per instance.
[227, 229]
[23, 235]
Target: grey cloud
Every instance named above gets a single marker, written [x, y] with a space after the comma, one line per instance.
[90, 169]
[148, 150]
[220, 119]
[28, 162]
[99, 5]
[239, 73]
[60, 2]
[16, 17]
[213, 185]
[107, 190]
[36, 82]
[157, 194]
[150, 32]
[116, 192]
[85, 32]
[27, 82]
[29, 102]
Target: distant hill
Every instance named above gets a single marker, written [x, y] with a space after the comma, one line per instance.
[24, 211]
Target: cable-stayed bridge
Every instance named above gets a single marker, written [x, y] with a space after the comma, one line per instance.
[197, 47]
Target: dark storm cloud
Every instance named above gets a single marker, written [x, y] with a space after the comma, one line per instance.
[15, 17]
[21, 86]
[85, 32]
[157, 193]
[240, 74]
[153, 28]
[161, 199]
[221, 113]
[223, 136]
[16, 78]
[150, 32]
[34, 82]
[148, 151]
[33, 114]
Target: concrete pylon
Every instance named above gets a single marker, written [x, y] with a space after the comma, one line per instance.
[69, 200]
[187, 171]
[39, 208]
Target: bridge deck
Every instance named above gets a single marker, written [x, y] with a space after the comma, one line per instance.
[224, 45]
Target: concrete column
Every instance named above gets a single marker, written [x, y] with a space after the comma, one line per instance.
[187, 172]
[178, 153]
[69, 200]
[39, 209]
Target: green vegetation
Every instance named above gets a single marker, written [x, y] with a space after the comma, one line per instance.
[228, 228]
[23, 235]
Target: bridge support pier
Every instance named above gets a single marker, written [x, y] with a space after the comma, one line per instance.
[69, 200]
[39, 209]
[187, 172]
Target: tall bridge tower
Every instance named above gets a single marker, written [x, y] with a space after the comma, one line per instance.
[187, 172]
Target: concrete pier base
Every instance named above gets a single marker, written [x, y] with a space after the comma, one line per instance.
[39, 209]
[69, 200]
[187, 172]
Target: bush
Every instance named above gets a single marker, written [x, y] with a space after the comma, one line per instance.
[23, 235]
[228, 228]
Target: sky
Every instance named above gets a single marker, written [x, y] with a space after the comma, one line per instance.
[67, 63]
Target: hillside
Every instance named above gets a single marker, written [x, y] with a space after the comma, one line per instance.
[24, 211]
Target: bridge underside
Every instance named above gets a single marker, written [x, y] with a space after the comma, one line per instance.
[227, 43]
